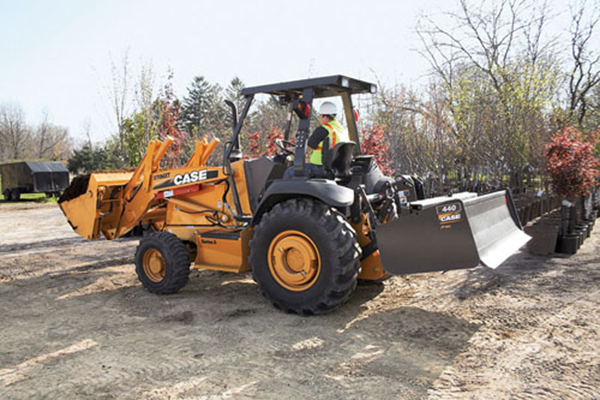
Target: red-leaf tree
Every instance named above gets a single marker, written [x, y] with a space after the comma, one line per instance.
[255, 146]
[253, 149]
[375, 143]
[571, 162]
[273, 135]
[169, 109]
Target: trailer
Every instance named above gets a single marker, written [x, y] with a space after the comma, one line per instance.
[21, 177]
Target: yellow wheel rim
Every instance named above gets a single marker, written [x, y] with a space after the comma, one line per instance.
[154, 265]
[294, 260]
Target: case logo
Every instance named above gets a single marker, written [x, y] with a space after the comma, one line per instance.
[449, 213]
[190, 177]
[449, 217]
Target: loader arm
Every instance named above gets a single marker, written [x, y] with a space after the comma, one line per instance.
[137, 193]
[113, 203]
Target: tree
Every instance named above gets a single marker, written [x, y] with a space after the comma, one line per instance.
[571, 163]
[592, 119]
[155, 118]
[201, 111]
[145, 96]
[269, 115]
[89, 159]
[373, 143]
[233, 92]
[584, 75]
[136, 136]
[14, 133]
[141, 126]
[501, 52]
[253, 149]
[169, 110]
[118, 92]
[51, 141]
[272, 136]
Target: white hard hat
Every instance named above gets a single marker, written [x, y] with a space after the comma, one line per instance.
[328, 108]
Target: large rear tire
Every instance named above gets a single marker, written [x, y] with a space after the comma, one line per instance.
[305, 257]
[162, 263]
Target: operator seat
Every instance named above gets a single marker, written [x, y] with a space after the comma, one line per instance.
[338, 162]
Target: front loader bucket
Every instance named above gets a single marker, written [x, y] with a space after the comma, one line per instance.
[85, 204]
[446, 233]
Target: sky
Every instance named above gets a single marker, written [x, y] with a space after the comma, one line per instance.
[55, 56]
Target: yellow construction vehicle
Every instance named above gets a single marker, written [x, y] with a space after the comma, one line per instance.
[307, 240]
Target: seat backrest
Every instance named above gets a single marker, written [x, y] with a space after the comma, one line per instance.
[340, 159]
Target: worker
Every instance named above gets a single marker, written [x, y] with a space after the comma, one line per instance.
[329, 127]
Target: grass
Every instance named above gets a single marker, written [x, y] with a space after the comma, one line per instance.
[34, 197]
[30, 197]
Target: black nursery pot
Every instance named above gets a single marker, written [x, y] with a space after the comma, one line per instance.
[568, 244]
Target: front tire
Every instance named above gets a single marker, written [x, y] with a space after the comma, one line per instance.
[305, 257]
[162, 263]
[15, 194]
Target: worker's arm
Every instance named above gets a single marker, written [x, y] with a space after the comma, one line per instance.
[317, 137]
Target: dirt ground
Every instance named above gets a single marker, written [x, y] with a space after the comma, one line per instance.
[76, 323]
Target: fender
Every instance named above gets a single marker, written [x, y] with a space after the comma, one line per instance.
[324, 190]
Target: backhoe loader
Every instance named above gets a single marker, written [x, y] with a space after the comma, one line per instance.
[306, 240]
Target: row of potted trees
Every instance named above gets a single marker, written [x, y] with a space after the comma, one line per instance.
[573, 168]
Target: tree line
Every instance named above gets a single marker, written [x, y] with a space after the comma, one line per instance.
[143, 110]
[20, 140]
[501, 84]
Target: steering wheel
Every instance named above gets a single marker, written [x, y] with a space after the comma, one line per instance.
[285, 146]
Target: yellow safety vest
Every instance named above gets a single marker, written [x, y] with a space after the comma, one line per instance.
[337, 133]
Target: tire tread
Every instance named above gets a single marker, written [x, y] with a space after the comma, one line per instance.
[345, 249]
[176, 256]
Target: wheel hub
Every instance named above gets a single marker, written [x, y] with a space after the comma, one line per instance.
[154, 265]
[294, 260]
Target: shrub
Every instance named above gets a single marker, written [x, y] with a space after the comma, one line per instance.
[571, 162]
[374, 143]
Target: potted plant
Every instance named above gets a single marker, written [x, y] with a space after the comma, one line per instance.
[573, 168]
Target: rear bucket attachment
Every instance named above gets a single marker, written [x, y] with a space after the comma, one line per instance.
[91, 199]
[446, 233]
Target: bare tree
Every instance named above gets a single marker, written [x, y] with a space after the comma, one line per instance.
[584, 74]
[50, 141]
[118, 92]
[482, 38]
[86, 128]
[145, 95]
[497, 66]
[14, 133]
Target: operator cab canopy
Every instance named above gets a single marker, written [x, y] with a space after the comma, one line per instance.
[327, 86]
[306, 90]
